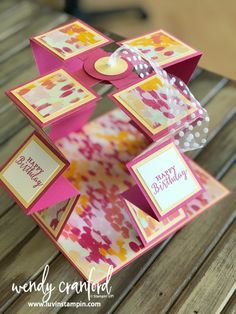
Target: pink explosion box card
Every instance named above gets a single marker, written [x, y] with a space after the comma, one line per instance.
[166, 178]
[34, 173]
[97, 213]
[146, 103]
[167, 51]
[52, 97]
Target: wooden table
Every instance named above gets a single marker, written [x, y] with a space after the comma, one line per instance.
[193, 272]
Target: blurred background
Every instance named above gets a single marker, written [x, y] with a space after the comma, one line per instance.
[207, 25]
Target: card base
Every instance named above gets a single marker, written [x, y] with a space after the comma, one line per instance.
[99, 233]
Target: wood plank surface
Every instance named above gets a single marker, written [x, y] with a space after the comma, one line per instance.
[13, 267]
[6, 6]
[10, 236]
[230, 307]
[164, 279]
[20, 40]
[215, 280]
[20, 16]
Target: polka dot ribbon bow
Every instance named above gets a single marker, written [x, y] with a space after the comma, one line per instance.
[187, 121]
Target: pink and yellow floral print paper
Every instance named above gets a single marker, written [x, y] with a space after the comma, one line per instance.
[72, 39]
[147, 102]
[151, 229]
[160, 47]
[54, 217]
[53, 95]
[99, 232]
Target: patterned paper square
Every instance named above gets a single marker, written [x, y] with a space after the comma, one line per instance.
[72, 39]
[52, 96]
[160, 47]
[147, 103]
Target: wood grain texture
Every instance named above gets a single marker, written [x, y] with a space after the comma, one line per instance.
[14, 65]
[6, 6]
[214, 281]
[220, 149]
[62, 271]
[206, 83]
[18, 41]
[21, 15]
[24, 263]
[230, 307]
[10, 235]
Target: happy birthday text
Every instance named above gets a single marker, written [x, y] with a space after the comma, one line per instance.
[167, 178]
[31, 168]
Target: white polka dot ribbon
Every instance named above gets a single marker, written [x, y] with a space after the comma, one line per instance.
[187, 121]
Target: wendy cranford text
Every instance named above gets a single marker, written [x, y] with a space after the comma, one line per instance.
[46, 288]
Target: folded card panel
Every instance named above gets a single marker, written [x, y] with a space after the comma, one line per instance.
[167, 51]
[33, 175]
[55, 97]
[66, 46]
[53, 218]
[165, 178]
[148, 104]
[150, 229]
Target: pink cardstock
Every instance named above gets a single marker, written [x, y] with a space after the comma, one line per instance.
[54, 97]
[72, 123]
[141, 101]
[172, 54]
[54, 218]
[66, 46]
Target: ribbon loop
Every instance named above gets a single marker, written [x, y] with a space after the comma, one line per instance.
[187, 121]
